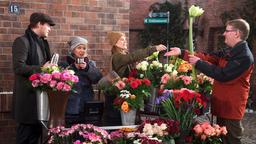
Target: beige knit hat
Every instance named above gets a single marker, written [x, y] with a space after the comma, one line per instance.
[114, 36]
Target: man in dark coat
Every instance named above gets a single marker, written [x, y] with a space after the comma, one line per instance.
[30, 52]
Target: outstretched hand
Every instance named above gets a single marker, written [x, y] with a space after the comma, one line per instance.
[174, 51]
[161, 47]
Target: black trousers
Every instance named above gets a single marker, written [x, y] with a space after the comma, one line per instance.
[235, 130]
[28, 133]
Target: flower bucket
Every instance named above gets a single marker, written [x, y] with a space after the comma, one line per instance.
[128, 118]
[42, 105]
[151, 105]
[57, 104]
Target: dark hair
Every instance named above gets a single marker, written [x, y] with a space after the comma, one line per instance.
[40, 17]
[242, 26]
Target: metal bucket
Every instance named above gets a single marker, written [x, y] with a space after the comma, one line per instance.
[42, 106]
[128, 118]
[150, 105]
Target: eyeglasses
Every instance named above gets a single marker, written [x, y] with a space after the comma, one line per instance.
[229, 31]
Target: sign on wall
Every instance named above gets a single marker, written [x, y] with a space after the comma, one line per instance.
[14, 8]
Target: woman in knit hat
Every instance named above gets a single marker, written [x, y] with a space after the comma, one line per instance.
[87, 73]
[121, 64]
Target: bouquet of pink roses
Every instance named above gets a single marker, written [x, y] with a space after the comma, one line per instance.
[206, 133]
[54, 78]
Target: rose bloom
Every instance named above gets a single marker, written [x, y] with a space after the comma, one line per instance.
[147, 82]
[33, 77]
[120, 85]
[59, 85]
[45, 78]
[35, 83]
[165, 78]
[186, 79]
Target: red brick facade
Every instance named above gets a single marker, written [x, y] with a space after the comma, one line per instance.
[92, 19]
[89, 18]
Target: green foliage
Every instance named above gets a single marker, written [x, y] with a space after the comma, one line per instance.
[157, 33]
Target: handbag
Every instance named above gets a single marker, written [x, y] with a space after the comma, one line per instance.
[106, 81]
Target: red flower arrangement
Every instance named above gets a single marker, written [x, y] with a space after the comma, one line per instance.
[130, 92]
[181, 105]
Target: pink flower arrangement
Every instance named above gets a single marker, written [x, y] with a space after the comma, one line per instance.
[78, 134]
[54, 78]
[207, 133]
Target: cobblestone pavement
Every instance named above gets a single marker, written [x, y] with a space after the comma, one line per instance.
[249, 123]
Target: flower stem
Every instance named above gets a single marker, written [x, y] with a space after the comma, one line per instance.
[191, 46]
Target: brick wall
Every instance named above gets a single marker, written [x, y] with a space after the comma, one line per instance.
[89, 18]
[92, 19]
[209, 20]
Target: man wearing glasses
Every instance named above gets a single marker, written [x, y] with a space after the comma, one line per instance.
[231, 69]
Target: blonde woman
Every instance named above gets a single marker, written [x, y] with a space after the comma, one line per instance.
[121, 64]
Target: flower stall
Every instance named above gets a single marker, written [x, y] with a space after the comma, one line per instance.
[175, 91]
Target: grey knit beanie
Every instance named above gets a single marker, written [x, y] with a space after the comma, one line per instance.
[75, 41]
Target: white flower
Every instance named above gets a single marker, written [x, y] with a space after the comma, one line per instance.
[148, 129]
[142, 66]
[195, 11]
[141, 75]
[168, 68]
[125, 94]
[137, 141]
[163, 126]
[71, 72]
[174, 73]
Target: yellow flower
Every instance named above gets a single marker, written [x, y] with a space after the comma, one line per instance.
[132, 96]
[195, 11]
[125, 106]
[184, 67]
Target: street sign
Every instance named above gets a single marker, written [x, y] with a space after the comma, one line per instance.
[158, 14]
[155, 20]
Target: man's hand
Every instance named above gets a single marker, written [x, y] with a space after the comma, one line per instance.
[193, 59]
[174, 51]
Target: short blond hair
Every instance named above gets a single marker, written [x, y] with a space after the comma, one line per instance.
[241, 25]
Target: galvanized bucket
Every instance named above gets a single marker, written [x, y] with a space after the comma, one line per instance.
[42, 106]
[128, 118]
